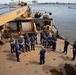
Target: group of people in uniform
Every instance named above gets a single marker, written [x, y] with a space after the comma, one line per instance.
[26, 42]
[47, 41]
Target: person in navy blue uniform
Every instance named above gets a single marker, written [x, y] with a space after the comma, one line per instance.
[35, 36]
[28, 45]
[47, 35]
[12, 43]
[44, 41]
[49, 41]
[17, 51]
[41, 36]
[21, 44]
[26, 36]
[32, 43]
[42, 55]
[74, 51]
[54, 39]
[37, 15]
[66, 43]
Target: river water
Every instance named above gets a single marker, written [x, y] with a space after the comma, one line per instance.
[64, 17]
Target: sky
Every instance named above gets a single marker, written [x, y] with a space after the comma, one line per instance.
[65, 1]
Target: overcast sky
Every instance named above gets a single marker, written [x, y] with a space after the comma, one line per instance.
[65, 1]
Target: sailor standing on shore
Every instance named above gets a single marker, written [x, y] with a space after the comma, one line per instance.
[26, 36]
[28, 45]
[66, 43]
[49, 41]
[54, 39]
[41, 36]
[42, 55]
[44, 41]
[47, 36]
[35, 36]
[12, 44]
[32, 43]
[21, 43]
[74, 51]
[17, 51]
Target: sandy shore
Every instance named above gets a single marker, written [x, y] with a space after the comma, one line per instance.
[29, 64]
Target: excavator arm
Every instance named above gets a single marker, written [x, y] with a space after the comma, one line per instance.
[21, 12]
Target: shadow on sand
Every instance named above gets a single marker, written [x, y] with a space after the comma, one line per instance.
[34, 62]
[59, 52]
[64, 57]
[11, 57]
[6, 51]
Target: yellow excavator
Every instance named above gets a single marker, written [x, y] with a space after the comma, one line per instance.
[15, 16]
[23, 12]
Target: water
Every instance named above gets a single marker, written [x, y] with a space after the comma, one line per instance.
[5, 8]
[64, 18]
